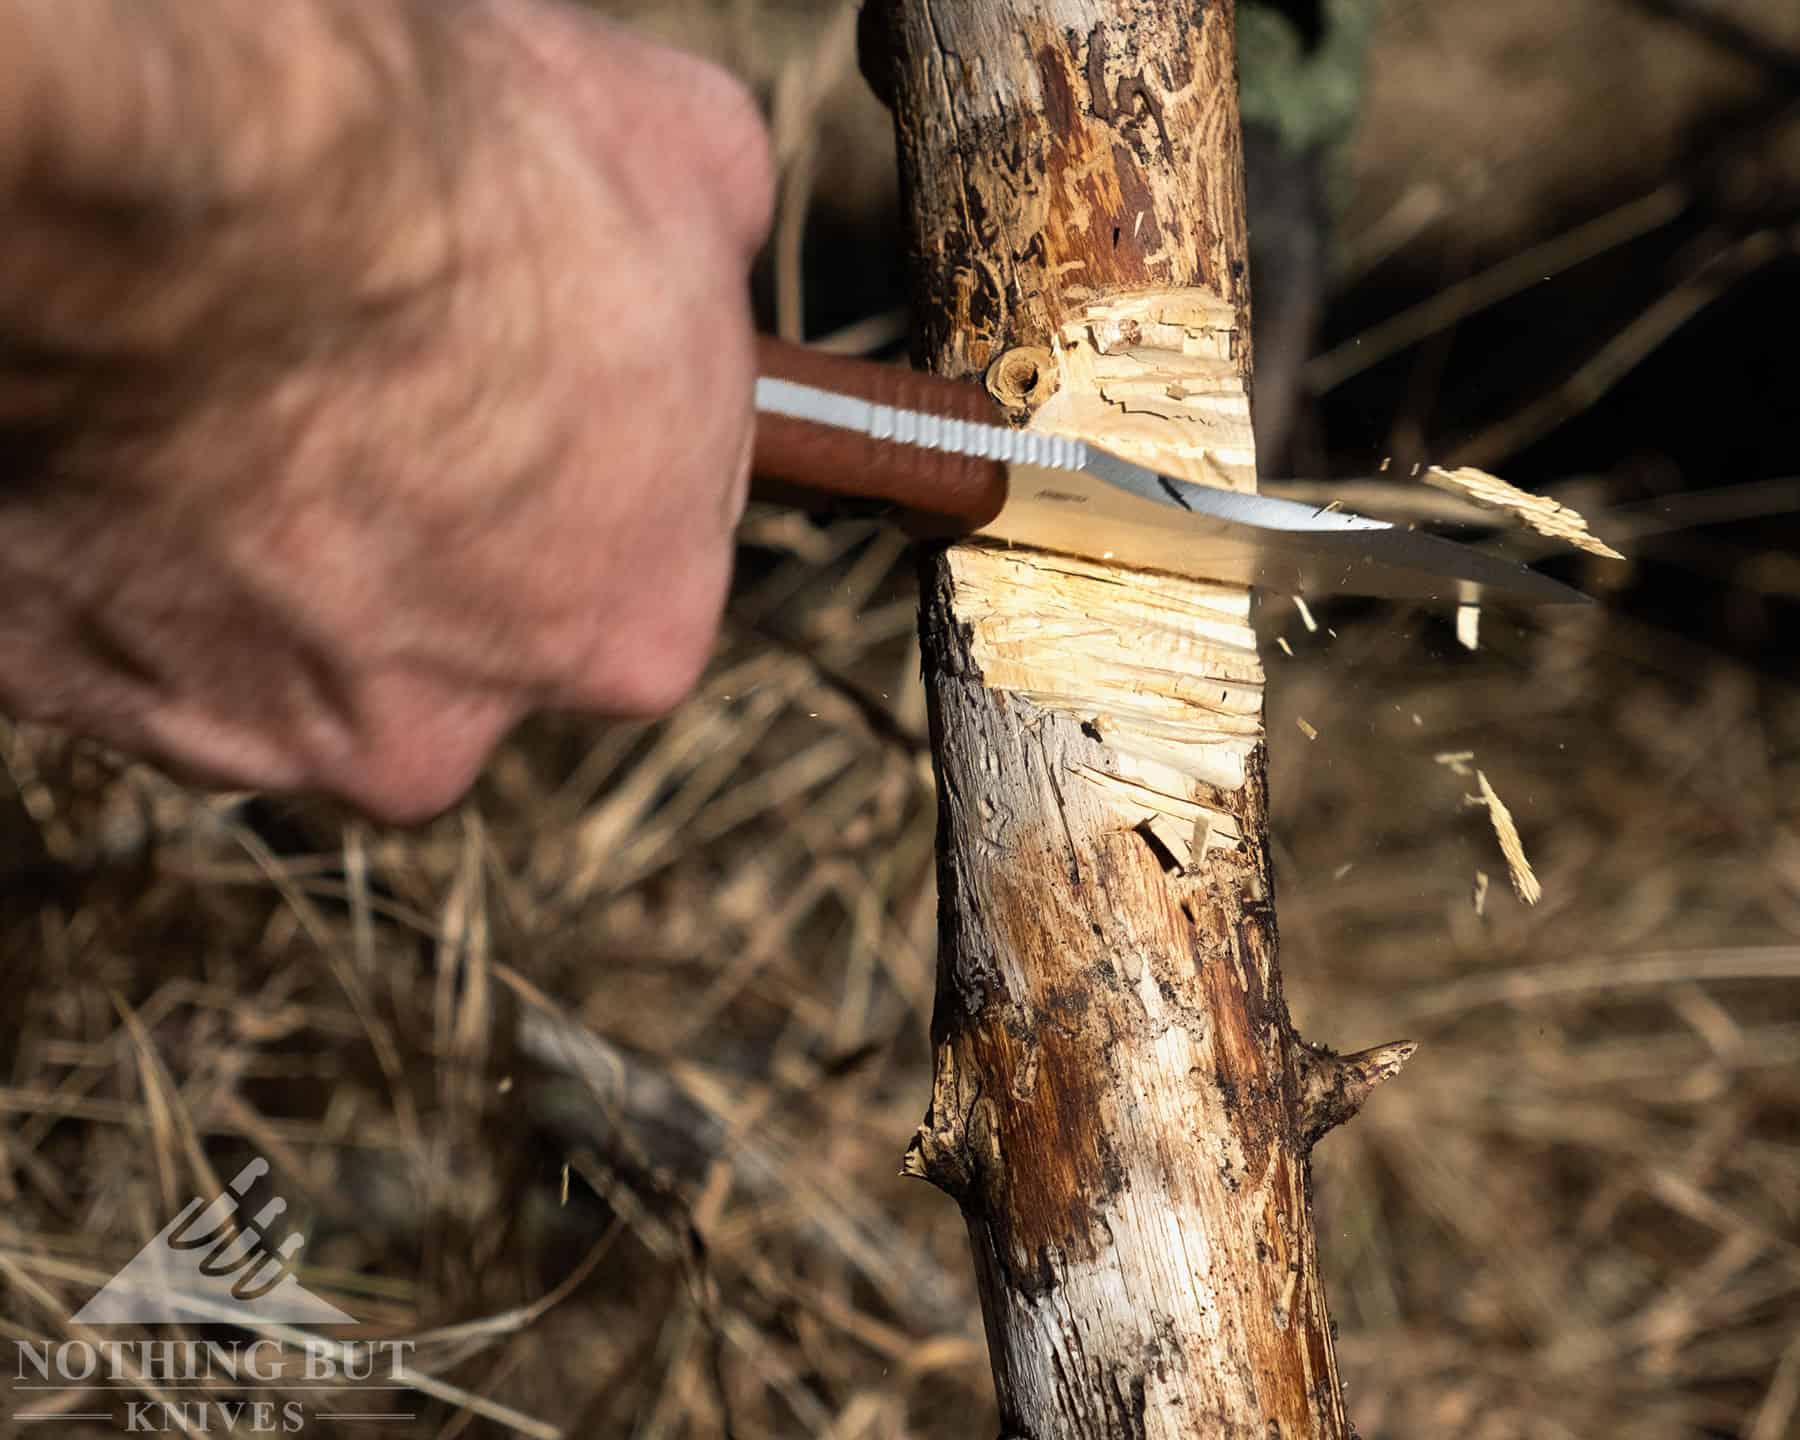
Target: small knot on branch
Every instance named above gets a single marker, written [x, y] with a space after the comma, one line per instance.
[1022, 379]
[937, 1156]
[1333, 1087]
[940, 1150]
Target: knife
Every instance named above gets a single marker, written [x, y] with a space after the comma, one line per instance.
[834, 429]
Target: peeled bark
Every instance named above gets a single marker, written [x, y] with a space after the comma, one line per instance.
[1121, 1105]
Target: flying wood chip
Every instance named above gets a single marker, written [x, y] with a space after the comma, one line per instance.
[1537, 512]
[1524, 879]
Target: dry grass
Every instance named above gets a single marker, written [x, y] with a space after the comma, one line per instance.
[693, 963]
[1577, 1213]
[598, 1088]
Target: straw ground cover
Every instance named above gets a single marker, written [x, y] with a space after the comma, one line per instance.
[597, 1088]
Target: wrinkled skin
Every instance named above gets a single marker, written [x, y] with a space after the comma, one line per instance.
[395, 387]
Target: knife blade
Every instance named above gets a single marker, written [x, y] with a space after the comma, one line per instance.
[829, 427]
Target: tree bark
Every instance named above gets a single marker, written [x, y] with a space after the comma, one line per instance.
[1121, 1105]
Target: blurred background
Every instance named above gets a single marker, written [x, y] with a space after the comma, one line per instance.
[598, 1087]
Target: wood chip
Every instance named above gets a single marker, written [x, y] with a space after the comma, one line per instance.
[1286, 648]
[1524, 880]
[1306, 616]
[1201, 840]
[1481, 889]
[1307, 730]
[1468, 626]
[1456, 760]
[1536, 512]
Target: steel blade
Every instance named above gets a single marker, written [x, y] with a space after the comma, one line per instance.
[1111, 509]
[1357, 554]
[1069, 496]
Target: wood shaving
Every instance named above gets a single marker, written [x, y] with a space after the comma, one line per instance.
[1286, 648]
[1524, 879]
[1456, 760]
[1481, 889]
[1536, 512]
[1307, 730]
[1306, 616]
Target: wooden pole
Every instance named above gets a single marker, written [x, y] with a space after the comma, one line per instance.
[1121, 1105]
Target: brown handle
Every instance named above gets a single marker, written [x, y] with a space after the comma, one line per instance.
[799, 462]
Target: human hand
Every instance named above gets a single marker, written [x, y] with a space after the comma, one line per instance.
[420, 401]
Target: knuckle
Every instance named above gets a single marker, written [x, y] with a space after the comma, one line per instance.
[418, 761]
[652, 631]
[660, 685]
[648, 677]
[388, 800]
[739, 156]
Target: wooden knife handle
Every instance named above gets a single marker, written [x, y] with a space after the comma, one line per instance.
[798, 462]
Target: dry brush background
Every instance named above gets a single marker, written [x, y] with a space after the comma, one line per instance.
[598, 1087]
